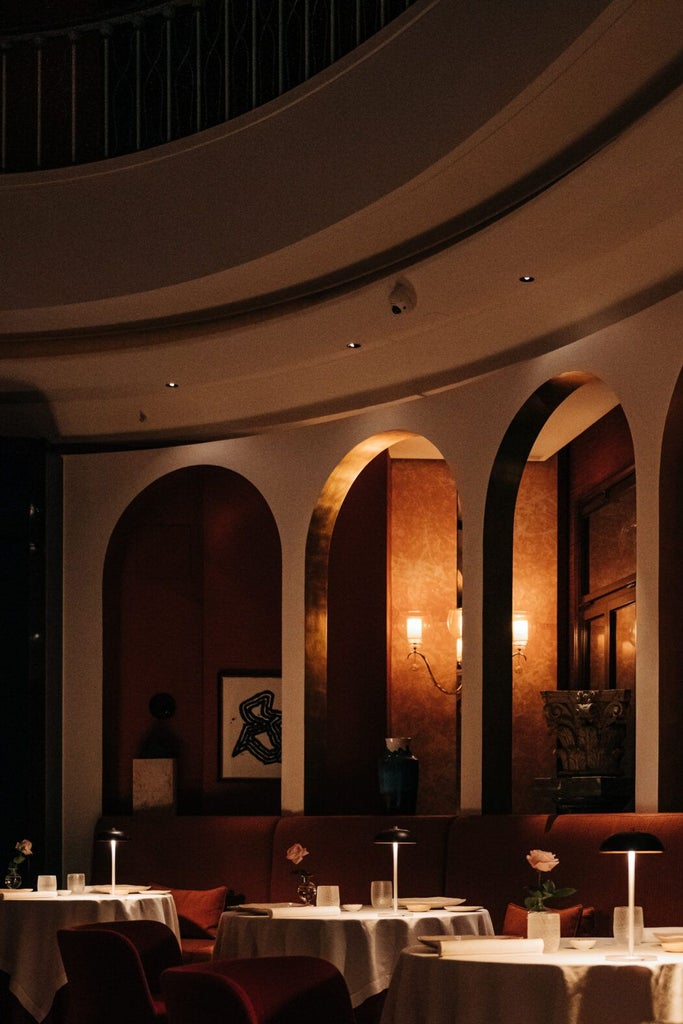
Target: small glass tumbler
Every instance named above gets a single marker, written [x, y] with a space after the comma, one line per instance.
[620, 926]
[327, 896]
[76, 882]
[381, 894]
[47, 883]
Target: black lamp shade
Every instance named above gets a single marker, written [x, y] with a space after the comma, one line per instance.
[639, 842]
[395, 835]
[112, 835]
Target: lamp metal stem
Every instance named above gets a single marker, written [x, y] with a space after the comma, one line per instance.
[631, 899]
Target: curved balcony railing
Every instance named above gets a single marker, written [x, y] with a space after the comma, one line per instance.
[88, 92]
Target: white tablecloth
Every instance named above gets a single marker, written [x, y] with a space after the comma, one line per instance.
[28, 937]
[365, 946]
[568, 987]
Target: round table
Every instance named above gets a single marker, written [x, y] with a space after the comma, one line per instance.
[29, 923]
[364, 945]
[567, 987]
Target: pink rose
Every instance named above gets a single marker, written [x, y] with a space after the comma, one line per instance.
[25, 847]
[296, 853]
[541, 860]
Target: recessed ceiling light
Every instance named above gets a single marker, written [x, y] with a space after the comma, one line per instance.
[527, 278]
[353, 344]
[172, 384]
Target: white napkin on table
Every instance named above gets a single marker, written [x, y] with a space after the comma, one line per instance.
[472, 945]
[286, 910]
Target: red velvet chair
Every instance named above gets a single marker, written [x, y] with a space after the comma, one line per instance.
[114, 971]
[259, 990]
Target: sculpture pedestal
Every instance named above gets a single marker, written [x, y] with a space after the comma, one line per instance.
[573, 794]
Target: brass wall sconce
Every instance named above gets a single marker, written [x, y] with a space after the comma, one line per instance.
[520, 638]
[414, 626]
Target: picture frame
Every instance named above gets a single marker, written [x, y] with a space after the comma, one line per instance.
[250, 744]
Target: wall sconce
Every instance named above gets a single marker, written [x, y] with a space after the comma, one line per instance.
[414, 625]
[520, 638]
[396, 837]
[632, 843]
[454, 626]
[112, 836]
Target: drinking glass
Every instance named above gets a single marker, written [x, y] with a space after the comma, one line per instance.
[620, 925]
[327, 896]
[47, 883]
[381, 894]
[76, 882]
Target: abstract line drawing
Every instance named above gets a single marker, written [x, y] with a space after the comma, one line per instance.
[261, 718]
[250, 739]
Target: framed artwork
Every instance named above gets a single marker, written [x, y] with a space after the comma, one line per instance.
[251, 726]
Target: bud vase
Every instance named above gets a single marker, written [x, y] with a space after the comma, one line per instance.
[12, 879]
[544, 924]
[306, 890]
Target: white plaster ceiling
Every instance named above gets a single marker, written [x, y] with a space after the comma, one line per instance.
[576, 180]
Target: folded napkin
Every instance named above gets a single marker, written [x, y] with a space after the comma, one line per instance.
[23, 894]
[286, 910]
[474, 945]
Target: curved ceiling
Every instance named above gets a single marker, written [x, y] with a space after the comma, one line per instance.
[241, 263]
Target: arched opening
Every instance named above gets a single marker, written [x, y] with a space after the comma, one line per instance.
[670, 600]
[383, 540]
[559, 548]
[192, 595]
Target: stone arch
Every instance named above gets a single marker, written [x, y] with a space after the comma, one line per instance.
[191, 588]
[499, 522]
[322, 647]
[670, 600]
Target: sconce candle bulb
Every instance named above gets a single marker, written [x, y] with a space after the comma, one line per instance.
[520, 638]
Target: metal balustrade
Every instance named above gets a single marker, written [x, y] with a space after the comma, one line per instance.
[88, 92]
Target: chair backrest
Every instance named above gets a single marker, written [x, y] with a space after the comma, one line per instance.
[259, 990]
[106, 976]
[154, 941]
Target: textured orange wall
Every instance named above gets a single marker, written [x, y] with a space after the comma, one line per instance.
[422, 532]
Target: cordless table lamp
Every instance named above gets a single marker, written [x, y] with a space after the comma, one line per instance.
[632, 843]
[112, 836]
[395, 837]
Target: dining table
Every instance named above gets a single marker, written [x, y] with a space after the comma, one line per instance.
[570, 986]
[364, 945]
[29, 922]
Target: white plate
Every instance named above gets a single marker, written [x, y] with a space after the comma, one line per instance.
[463, 909]
[434, 902]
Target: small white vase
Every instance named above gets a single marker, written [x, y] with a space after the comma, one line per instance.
[544, 924]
